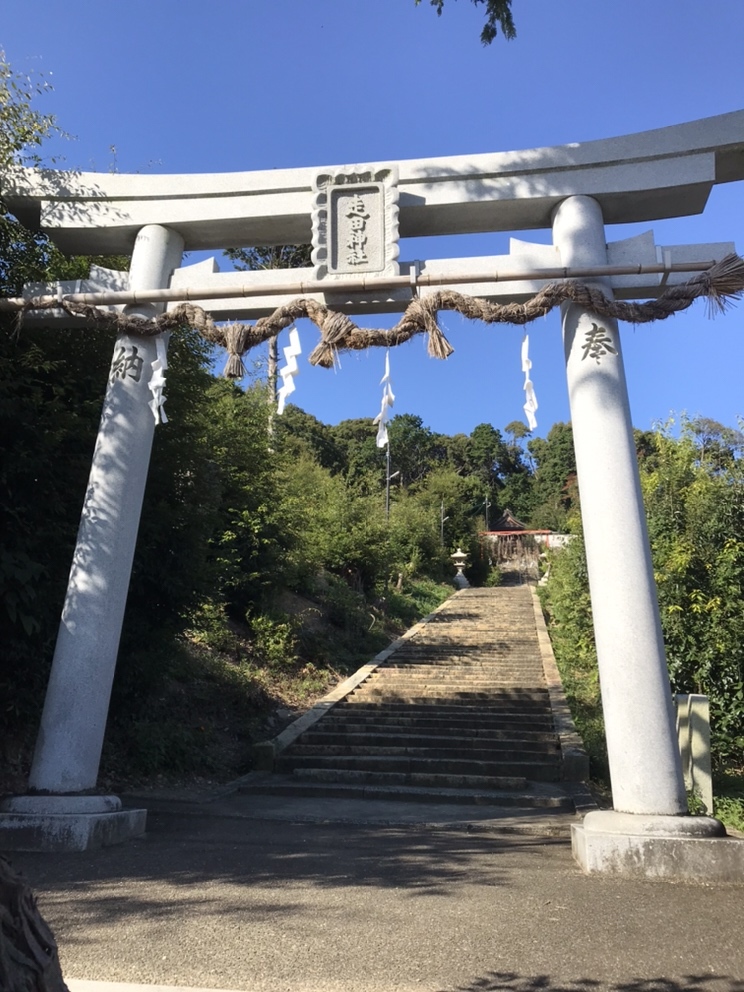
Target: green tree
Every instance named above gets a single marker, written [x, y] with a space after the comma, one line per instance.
[456, 452]
[504, 477]
[487, 456]
[248, 545]
[517, 431]
[718, 445]
[297, 430]
[695, 513]
[498, 15]
[271, 257]
[330, 527]
[414, 448]
[555, 491]
[364, 461]
[695, 509]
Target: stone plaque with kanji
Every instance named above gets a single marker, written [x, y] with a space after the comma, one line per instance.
[355, 224]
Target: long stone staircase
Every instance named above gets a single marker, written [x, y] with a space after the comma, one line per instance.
[466, 707]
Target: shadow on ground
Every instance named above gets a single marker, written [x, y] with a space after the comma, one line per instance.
[200, 854]
[496, 981]
[225, 902]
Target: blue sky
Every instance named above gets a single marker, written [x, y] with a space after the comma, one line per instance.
[183, 86]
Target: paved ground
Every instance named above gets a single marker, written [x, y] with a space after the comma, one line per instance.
[241, 894]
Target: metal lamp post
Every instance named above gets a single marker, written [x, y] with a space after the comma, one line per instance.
[442, 520]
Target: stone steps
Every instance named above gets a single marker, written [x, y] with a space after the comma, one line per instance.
[460, 721]
[455, 750]
[483, 702]
[460, 712]
[416, 739]
[430, 779]
[504, 682]
[456, 714]
[531, 797]
[544, 770]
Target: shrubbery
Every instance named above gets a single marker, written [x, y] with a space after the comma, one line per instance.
[694, 498]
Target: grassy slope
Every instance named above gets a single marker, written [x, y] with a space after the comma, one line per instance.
[229, 685]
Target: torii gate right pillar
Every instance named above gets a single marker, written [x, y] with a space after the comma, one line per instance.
[643, 834]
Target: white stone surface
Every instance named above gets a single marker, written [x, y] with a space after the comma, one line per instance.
[683, 848]
[46, 805]
[636, 696]
[610, 821]
[667, 172]
[52, 832]
[69, 744]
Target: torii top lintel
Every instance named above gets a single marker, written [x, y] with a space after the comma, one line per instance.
[647, 176]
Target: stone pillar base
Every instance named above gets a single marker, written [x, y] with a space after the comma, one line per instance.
[682, 848]
[67, 823]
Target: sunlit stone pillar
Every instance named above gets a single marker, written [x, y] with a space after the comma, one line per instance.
[68, 748]
[641, 740]
[647, 785]
[69, 745]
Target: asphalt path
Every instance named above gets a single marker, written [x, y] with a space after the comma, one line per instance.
[230, 896]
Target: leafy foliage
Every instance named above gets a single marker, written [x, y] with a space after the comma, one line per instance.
[498, 15]
[694, 494]
[555, 492]
[694, 497]
[23, 128]
[271, 257]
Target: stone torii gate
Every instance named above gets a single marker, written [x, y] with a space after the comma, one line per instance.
[355, 215]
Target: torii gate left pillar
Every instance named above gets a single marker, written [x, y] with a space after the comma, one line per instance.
[59, 815]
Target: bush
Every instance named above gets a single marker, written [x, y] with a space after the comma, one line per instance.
[275, 639]
[494, 578]
[569, 614]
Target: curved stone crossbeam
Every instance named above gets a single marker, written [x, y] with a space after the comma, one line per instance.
[647, 176]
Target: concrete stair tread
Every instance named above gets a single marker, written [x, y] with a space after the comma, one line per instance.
[436, 731]
[496, 700]
[490, 756]
[537, 796]
[542, 770]
[439, 779]
[320, 738]
[452, 717]
[436, 746]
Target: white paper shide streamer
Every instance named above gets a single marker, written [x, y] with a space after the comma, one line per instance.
[388, 400]
[529, 390]
[157, 380]
[288, 372]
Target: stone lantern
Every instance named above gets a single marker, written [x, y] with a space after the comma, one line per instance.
[459, 558]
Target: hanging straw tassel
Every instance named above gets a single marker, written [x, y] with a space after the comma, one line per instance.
[237, 337]
[722, 283]
[439, 346]
[336, 329]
